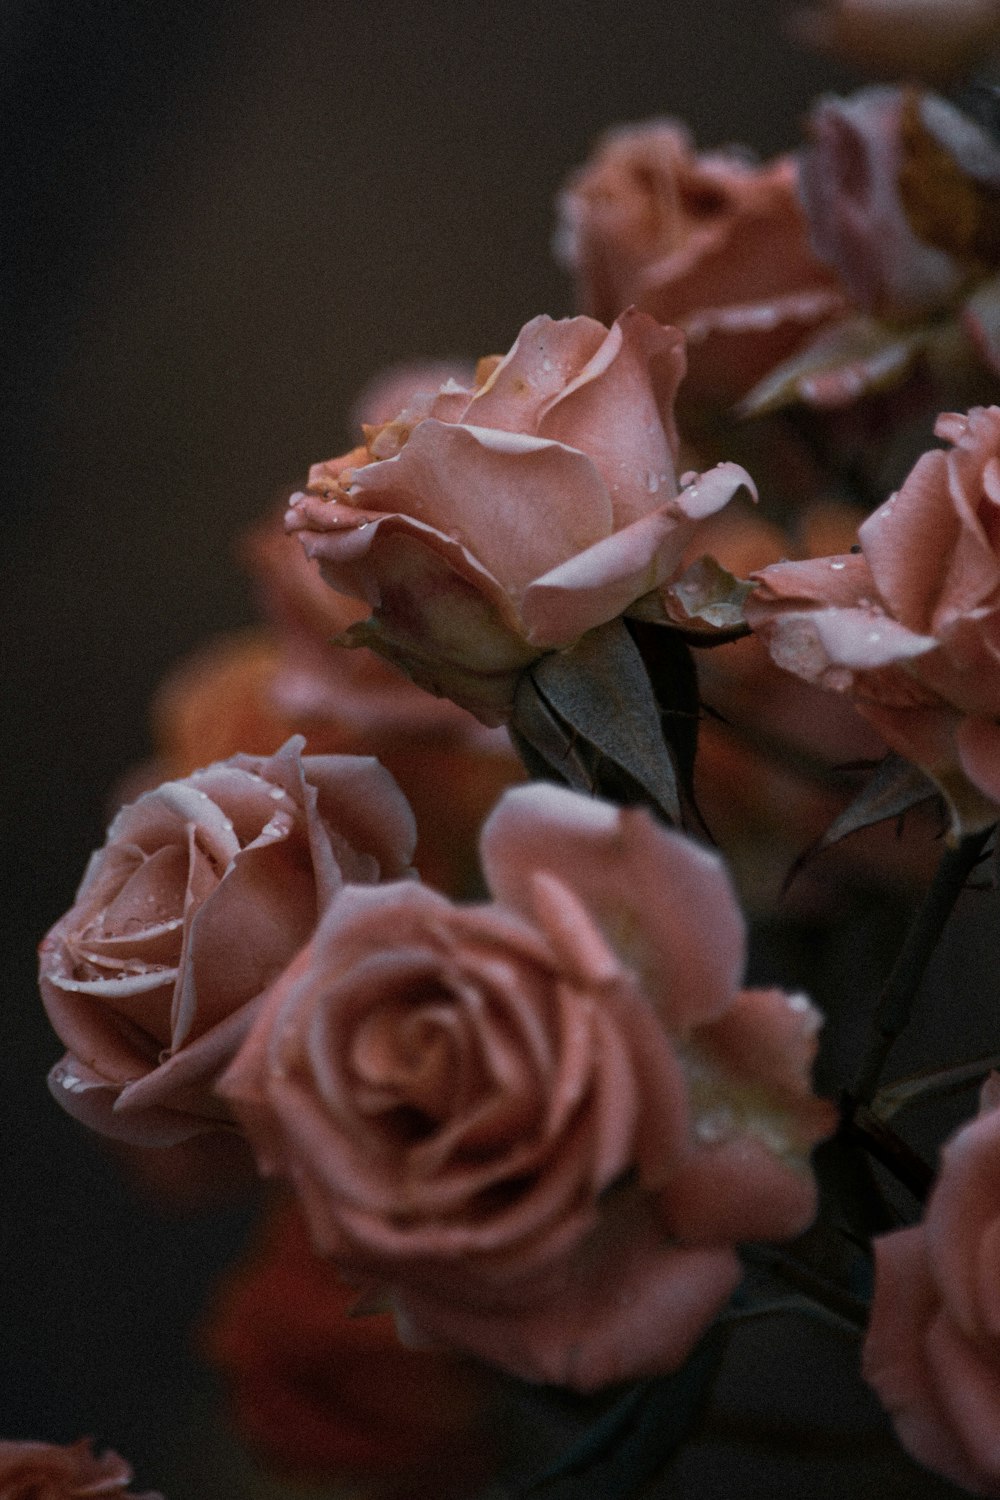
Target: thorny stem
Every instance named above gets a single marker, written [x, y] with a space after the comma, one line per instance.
[920, 1086]
[845, 1307]
[863, 1128]
[892, 1011]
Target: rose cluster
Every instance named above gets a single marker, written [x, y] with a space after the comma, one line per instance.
[538, 1126]
[526, 1111]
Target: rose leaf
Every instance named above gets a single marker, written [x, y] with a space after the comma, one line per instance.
[601, 691]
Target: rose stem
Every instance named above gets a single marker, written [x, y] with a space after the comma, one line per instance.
[861, 1127]
[892, 1010]
[843, 1304]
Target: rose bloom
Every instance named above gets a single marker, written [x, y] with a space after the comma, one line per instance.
[541, 1126]
[488, 526]
[933, 1346]
[932, 39]
[909, 626]
[201, 895]
[850, 181]
[48, 1471]
[323, 1395]
[707, 240]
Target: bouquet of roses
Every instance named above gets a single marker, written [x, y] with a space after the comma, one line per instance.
[432, 908]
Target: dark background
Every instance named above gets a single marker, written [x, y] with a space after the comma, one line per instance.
[222, 219]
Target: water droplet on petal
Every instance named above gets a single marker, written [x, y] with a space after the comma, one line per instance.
[837, 567]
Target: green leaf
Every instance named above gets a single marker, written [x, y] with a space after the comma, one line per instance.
[632, 1440]
[588, 718]
[669, 664]
[839, 365]
[895, 787]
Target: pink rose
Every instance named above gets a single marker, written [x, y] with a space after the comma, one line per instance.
[541, 1125]
[909, 626]
[932, 39]
[491, 525]
[48, 1471]
[707, 240]
[202, 893]
[933, 1347]
[850, 181]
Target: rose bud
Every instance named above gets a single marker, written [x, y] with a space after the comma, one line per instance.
[203, 892]
[909, 626]
[539, 1127]
[48, 1471]
[933, 1348]
[710, 241]
[487, 526]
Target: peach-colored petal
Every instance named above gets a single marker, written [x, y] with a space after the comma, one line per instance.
[738, 1190]
[622, 865]
[908, 540]
[619, 410]
[518, 503]
[895, 1359]
[967, 1386]
[963, 1205]
[546, 357]
[636, 1305]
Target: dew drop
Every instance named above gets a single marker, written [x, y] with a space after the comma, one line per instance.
[837, 567]
[652, 482]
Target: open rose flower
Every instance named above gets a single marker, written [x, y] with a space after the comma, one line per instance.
[201, 895]
[850, 181]
[707, 240]
[49, 1471]
[933, 1347]
[488, 526]
[324, 1396]
[541, 1126]
[910, 626]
